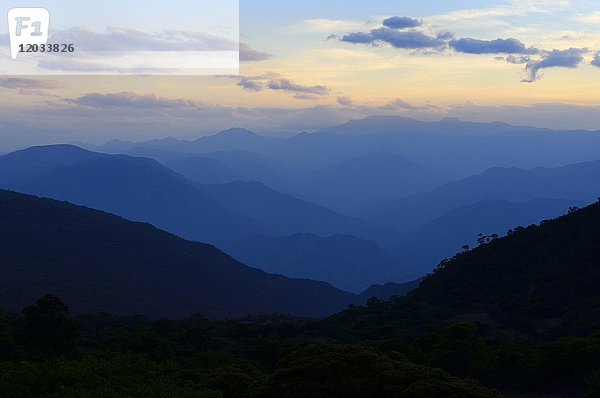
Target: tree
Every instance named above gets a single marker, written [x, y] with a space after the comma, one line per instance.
[329, 370]
[47, 327]
[485, 239]
[573, 209]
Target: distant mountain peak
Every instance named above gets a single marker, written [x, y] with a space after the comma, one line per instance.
[400, 124]
[235, 132]
[51, 148]
[450, 120]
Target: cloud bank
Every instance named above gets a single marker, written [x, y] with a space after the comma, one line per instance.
[276, 82]
[570, 58]
[413, 34]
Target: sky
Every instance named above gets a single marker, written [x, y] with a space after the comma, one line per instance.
[184, 37]
[311, 64]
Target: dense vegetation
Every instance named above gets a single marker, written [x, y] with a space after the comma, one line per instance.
[516, 316]
[539, 281]
[44, 352]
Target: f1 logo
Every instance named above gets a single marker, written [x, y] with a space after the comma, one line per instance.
[27, 26]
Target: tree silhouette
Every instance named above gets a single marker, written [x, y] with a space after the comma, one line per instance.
[48, 328]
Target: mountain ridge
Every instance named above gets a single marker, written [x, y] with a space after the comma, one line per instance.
[99, 262]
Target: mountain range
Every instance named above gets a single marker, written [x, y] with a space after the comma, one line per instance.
[98, 262]
[446, 151]
[383, 182]
[539, 281]
[141, 189]
[346, 262]
[579, 181]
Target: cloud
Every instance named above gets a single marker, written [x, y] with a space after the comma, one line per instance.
[325, 25]
[402, 22]
[518, 59]
[247, 54]
[357, 38]
[413, 34]
[548, 115]
[393, 107]
[288, 85]
[98, 118]
[486, 16]
[119, 39]
[409, 40]
[400, 105]
[570, 58]
[498, 46]
[592, 18]
[345, 101]
[15, 83]
[277, 82]
[397, 39]
[250, 85]
[126, 100]
[306, 97]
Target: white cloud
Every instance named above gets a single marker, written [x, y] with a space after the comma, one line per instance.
[592, 18]
[329, 25]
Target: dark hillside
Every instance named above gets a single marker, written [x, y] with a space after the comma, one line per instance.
[100, 262]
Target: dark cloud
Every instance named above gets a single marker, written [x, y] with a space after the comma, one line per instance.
[396, 38]
[15, 83]
[498, 46]
[128, 100]
[288, 85]
[358, 38]
[277, 82]
[345, 101]
[409, 40]
[249, 84]
[404, 33]
[247, 54]
[402, 23]
[518, 59]
[445, 36]
[570, 58]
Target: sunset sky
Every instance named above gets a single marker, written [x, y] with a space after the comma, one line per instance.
[311, 64]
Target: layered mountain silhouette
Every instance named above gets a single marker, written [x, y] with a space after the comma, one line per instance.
[448, 148]
[535, 275]
[352, 182]
[287, 215]
[435, 224]
[540, 280]
[232, 139]
[100, 262]
[458, 149]
[573, 182]
[425, 247]
[203, 169]
[388, 290]
[141, 189]
[30, 162]
[400, 124]
[346, 262]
